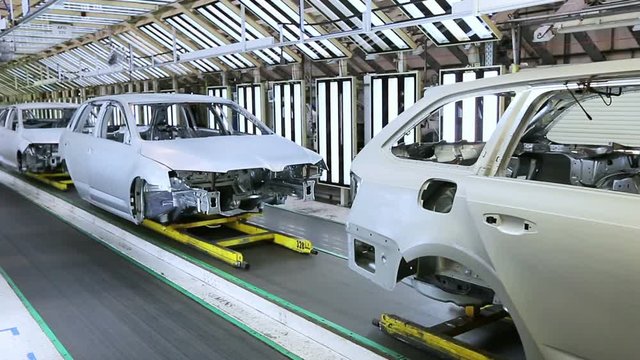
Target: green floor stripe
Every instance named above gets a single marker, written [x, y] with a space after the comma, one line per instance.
[187, 293]
[36, 316]
[339, 329]
[206, 305]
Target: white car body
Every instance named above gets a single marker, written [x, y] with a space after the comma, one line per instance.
[562, 257]
[105, 171]
[18, 139]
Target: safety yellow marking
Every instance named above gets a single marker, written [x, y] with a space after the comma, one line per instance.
[209, 222]
[243, 240]
[229, 256]
[49, 179]
[396, 327]
[221, 248]
[302, 246]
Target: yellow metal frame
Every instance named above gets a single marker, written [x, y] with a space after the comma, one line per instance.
[60, 181]
[416, 334]
[440, 337]
[222, 249]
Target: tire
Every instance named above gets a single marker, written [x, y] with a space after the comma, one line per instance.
[137, 200]
[21, 168]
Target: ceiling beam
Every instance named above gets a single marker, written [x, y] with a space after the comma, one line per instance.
[635, 34]
[431, 61]
[589, 46]
[372, 63]
[459, 54]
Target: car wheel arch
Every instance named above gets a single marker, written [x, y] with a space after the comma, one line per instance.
[486, 273]
[137, 181]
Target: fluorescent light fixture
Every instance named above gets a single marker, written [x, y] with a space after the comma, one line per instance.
[494, 6]
[597, 25]
[228, 49]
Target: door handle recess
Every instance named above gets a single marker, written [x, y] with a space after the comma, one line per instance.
[511, 225]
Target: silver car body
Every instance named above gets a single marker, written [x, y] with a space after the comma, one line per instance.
[21, 142]
[105, 171]
[561, 258]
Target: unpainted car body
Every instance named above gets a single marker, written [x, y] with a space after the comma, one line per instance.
[29, 135]
[166, 156]
[542, 218]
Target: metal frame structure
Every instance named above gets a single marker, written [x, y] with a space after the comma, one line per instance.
[440, 338]
[202, 33]
[61, 181]
[222, 249]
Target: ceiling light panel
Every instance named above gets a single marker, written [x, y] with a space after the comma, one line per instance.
[227, 20]
[468, 29]
[346, 15]
[148, 50]
[138, 60]
[101, 8]
[71, 19]
[280, 13]
[206, 39]
[164, 37]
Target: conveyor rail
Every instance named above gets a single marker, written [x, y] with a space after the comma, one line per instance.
[60, 181]
[440, 337]
[222, 249]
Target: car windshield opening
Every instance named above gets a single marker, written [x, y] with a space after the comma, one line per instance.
[170, 121]
[47, 118]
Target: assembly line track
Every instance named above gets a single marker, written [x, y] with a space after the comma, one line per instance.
[334, 296]
[101, 306]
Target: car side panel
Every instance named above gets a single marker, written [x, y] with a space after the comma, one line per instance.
[575, 255]
[76, 151]
[9, 141]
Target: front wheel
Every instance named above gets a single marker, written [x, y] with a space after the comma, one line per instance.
[20, 163]
[137, 200]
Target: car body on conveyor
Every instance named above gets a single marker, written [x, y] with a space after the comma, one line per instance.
[541, 217]
[29, 135]
[166, 156]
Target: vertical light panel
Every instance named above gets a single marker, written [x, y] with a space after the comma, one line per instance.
[321, 89]
[288, 110]
[334, 126]
[468, 111]
[172, 112]
[347, 112]
[490, 107]
[251, 98]
[448, 125]
[472, 119]
[218, 91]
[391, 95]
[336, 121]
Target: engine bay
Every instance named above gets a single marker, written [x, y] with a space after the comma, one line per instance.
[230, 193]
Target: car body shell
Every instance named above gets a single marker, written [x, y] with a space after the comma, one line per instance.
[16, 140]
[569, 284]
[104, 171]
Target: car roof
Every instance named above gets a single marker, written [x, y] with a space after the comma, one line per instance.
[45, 105]
[152, 98]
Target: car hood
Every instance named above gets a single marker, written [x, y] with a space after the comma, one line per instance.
[226, 153]
[42, 136]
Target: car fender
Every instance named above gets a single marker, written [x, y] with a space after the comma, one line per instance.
[23, 144]
[486, 273]
[152, 172]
